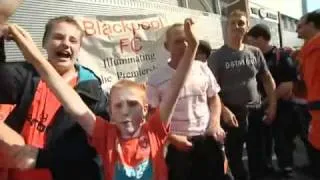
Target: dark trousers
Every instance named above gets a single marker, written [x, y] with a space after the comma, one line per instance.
[269, 145]
[314, 160]
[257, 141]
[251, 129]
[234, 143]
[292, 120]
[204, 161]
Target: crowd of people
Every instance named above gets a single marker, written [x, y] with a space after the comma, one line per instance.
[189, 121]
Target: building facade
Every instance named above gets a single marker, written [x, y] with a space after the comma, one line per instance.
[33, 14]
[277, 14]
[289, 12]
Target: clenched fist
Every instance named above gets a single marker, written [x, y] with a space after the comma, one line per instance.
[7, 8]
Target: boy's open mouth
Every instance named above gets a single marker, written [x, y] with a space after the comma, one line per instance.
[63, 54]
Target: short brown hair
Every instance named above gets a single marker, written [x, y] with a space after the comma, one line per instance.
[171, 28]
[260, 30]
[238, 13]
[314, 17]
[204, 47]
[52, 22]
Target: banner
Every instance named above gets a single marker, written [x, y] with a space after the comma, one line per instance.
[131, 47]
[126, 47]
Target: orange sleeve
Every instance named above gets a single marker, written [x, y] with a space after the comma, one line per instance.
[317, 56]
[99, 137]
[313, 76]
[157, 126]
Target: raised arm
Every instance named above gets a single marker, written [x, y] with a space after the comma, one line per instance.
[13, 75]
[64, 92]
[9, 137]
[168, 104]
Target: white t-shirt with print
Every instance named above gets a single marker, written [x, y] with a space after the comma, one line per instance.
[192, 114]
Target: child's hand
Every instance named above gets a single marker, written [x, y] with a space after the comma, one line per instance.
[25, 43]
[8, 152]
[190, 37]
[180, 142]
[25, 157]
[3, 30]
[217, 133]
[8, 139]
[229, 118]
[19, 157]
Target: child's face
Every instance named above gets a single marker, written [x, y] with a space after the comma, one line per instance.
[128, 109]
[176, 42]
[63, 45]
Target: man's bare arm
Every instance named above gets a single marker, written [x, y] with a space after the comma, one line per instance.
[270, 89]
[215, 111]
[182, 71]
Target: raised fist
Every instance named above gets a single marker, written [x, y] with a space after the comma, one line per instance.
[7, 8]
[188, 29]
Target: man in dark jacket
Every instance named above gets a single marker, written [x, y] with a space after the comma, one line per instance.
[289, 110]
[57, 144]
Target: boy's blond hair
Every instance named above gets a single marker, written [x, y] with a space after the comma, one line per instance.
[124, 83]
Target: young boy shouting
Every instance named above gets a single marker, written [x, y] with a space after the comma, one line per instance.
[131, 147]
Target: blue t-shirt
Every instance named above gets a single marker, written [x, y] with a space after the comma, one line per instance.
[143, 171]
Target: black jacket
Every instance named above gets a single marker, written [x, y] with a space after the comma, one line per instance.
[281, 66]
[67, 153]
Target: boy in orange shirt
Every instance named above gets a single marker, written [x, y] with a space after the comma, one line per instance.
[130, 146]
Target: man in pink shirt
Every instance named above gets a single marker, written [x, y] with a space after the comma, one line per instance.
[195, 128]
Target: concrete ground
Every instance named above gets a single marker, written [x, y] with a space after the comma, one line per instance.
[300, 162]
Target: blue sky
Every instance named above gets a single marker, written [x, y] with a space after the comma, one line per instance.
[313, 5]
